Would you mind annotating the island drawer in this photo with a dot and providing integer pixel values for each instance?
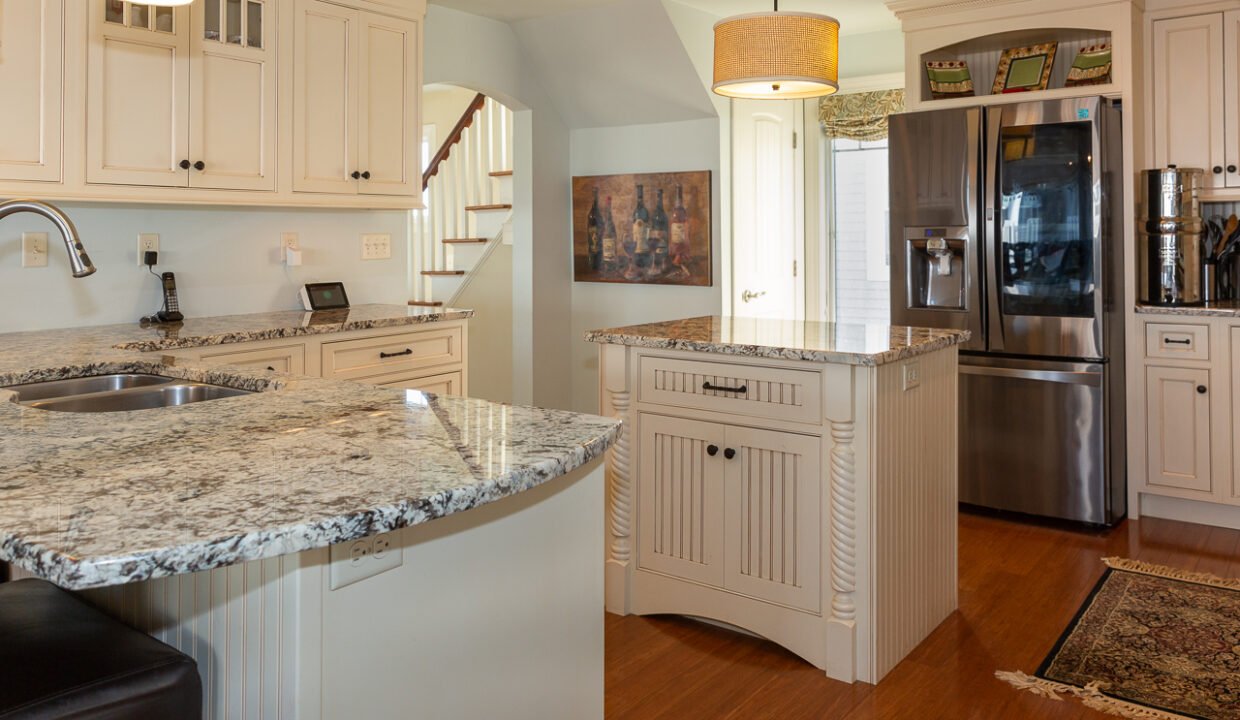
(783, 394)
(289, 359)
(374, 356)
(451, 383)
(1174, 340)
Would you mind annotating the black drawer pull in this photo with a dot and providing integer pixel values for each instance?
(272, 369)
(712, 450)
(385, 356)
(723, 388)
(1169, 341)
(729, 453)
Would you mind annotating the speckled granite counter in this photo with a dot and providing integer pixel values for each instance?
(89, 500)
(869, 345)
(1223, 308)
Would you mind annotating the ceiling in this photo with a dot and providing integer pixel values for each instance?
(855, 16)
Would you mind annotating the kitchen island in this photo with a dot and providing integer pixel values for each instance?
(795, 479)
(284, 539)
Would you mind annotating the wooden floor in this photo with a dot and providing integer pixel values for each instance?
(1020, 585)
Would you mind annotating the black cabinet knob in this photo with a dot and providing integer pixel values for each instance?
(729, 453)
(712, 450)
(1231, 168)
(355, 175)
(366, 175)
(1218, 169)
(271, 368)
(184, 164)
(200, 165)
(1201, 389)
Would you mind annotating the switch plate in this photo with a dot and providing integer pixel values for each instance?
(912, 375)
(357, 560)
(147, 242)
(34, 249)
(376, 246)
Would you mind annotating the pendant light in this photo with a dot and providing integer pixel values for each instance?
(777, 56)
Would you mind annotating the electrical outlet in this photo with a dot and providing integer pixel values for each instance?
(289, 241)
(34, 249)
(376, 246)
(912, 375)
(352, 562)
(147, 242)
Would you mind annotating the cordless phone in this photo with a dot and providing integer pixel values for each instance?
(172, 307)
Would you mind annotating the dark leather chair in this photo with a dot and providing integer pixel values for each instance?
(60, 658)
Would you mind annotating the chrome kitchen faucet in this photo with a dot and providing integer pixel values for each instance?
(78, 258)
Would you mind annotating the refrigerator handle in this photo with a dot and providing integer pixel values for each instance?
(990, 223)
(1091, 377)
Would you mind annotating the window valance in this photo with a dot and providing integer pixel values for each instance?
(859, 116)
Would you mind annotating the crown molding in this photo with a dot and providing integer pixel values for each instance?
(905, 9)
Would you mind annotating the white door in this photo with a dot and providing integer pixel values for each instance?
(1189, 95)
(232, 125)
(388, 143)
(1178, 427)
(137, 94)
(31, 73)
(768, 179)
(325, 107)
(773, 530)
(680, 498)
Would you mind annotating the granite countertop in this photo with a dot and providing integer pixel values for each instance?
(90, 500)
(1222, 308)
(851, 344)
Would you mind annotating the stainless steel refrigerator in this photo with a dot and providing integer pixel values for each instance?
(1006, 221)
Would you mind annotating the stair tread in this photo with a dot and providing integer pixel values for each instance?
(426, 303)
(465, 241)
(475, 208)
(443, 272)
(501, 173)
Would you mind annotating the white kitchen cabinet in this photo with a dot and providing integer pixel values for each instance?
(183, 97)
(1188, 96)
(1178, 427)
(32, 78)
(452, 383)
(289, 359)
(355, 105)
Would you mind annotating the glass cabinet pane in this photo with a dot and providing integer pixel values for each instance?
(115, 11)
(163, 19)
(139, 16)
(254, 24)
(211, 19)
(233, 22)
(1047, 220)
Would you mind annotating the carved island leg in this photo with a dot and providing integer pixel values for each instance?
(615, 402)
(842, 624)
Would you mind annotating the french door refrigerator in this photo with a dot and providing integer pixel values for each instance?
(1005, 221)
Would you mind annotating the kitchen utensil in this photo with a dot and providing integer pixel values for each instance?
(1211, 238)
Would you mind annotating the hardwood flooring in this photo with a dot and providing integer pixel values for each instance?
(1020, 585)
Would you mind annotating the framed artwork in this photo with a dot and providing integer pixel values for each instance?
(1024, 69)
(1091, 67)
(652, 228)
(949, 79)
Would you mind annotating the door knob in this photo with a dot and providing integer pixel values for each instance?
(1218, 169)
(1201, 389)
(200, 165)
(184, 164)
(355, 175)
(712, 450)
(1231, 168)
(729, 453)
(366, 175)
(748, 295)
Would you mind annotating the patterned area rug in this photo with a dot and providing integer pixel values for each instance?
(1149, 642)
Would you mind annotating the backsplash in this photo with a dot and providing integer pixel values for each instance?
(226, 260)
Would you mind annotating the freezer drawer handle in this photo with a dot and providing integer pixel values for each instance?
(1093, 378)
(386, 355)
(723, 388)
(1201, 389)
(1169, 341)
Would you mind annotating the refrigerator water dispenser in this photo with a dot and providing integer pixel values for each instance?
(937, 269)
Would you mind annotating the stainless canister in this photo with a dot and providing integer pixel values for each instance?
(1169, 237)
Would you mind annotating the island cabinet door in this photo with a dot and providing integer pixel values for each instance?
(773, 529)
(680, 496)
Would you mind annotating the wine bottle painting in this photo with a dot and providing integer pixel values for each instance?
(650, 228)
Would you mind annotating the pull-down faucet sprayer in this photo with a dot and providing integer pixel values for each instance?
(78, 258)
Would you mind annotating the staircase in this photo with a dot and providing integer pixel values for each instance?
(467, 190)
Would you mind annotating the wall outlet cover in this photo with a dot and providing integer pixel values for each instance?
(358, 560)
(376, 246)
(147, 242)
(912, 375)
(34, 249)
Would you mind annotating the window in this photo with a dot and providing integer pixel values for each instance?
(860, 226)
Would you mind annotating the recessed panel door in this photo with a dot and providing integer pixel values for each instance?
(325, 82)
(1178, 427)
(31, 73)
(388, 138)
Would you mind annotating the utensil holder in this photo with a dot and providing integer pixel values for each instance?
(1209, 281)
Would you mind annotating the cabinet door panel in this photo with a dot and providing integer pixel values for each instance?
(1178, 427)
(680, 499)
(773, 537)
(233, 101)
(1231, 72)
(325, 102)
(289, 359)
(443, 384)
(1188, 94)
(31, 73)
(389, 141)
(138, 102)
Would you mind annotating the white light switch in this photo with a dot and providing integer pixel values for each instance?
(376, 246)
(34, 249)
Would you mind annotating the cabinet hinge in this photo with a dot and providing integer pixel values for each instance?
(794, 140)
(794, 268)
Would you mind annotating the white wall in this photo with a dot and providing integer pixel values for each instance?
(226, 261)
(490, 330)
(667, 147)
(442, 106)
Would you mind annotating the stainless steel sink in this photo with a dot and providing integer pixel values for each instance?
(117, 393)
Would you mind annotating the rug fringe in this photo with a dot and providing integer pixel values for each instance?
(1144, 568)
(1091, 696)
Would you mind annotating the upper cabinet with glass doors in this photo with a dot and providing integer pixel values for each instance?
(182, 97)
(244, 102)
